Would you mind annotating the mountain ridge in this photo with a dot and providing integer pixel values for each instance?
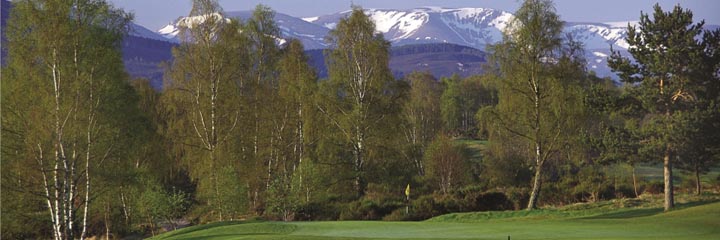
(471, 27)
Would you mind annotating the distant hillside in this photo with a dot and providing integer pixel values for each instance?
(143, 56)
(440, 59)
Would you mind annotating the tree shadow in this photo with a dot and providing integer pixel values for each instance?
(645, 212)
(640, 212)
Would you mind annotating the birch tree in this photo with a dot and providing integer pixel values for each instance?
(358, 68)
(204, 96)
(62, 79)
(422, 116)
(538, 86)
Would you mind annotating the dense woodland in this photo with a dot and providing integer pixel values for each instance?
(243, 127)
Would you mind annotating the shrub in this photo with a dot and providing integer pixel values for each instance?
(318, 211)
(654, 188)
(368, 209)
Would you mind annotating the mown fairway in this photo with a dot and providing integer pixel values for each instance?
(691, 221)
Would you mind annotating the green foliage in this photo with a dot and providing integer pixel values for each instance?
(361, 99)
(670, 75)
(461, 100)
(201, 100)
(69, 114)
(422, 116)
(447, 163)
(539, 92)
(156, 204)
(244, 129)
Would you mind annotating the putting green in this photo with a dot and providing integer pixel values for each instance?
(699, 221)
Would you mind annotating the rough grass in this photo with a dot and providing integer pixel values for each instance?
(621, 219)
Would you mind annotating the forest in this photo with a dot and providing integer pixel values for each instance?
(243, 127)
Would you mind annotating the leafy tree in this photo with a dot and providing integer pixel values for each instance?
(667, 76)
(460, 101)
(60, 89)
(447, 163)
(539, 98)
(294, 111)
(359, 72)
(260, 86)
(157, 204)
(203, 95)
(422, 116)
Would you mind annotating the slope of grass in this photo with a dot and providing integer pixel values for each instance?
(697, 220)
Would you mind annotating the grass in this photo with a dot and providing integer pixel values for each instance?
(605, 220)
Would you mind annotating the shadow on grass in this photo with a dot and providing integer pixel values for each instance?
(202, 227)
(645, 212)
(633, 213)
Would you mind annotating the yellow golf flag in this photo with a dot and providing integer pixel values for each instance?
(407, 191)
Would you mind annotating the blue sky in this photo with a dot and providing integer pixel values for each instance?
(154, 14)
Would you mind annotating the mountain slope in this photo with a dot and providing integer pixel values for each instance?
(311, 35)
(473, 27)
(479, 27)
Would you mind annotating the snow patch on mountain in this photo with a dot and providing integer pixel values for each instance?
(310, 19)
(172, 30)
(398, 24)
(622, 24)
(140, 31)
(597, 35)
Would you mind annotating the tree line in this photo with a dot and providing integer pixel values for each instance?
(244, 128)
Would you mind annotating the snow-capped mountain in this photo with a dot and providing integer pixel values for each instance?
(477, 28)
(310, 34)
(473, 27)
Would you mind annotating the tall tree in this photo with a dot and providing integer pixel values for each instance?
(204, 95)
(63, 81)
(422, 116)
(666, 77)
(294, 111)
(260, 91)
(538, 85)
(358, 67)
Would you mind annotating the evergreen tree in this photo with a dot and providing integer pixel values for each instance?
(670, 70)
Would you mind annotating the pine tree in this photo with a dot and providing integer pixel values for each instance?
(668, 76)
